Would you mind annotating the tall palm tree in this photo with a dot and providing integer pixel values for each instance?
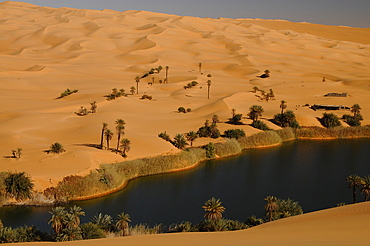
(354, 182)
(209, 83)
(255, 111)
(58, 215)
(271, 206)
(191, 136)
(122, 222)
(166, 79)
(104, 128)
(125, 146)
(255, 89)
(365, 187)
(120, 127)
(102, 220)
(200, 68)
(283, 106)
(108, 136)
(213, 209)
(137, 80)
(76, 212)
(355, 109)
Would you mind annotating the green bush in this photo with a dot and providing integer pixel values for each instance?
(181, 110)
(230, 147)
(67, 93)
(18, 186)
(236, 119)
(260, 125)
(210, 150)
(352, 120)
(234, 133)
(330, 120)
(286, 119)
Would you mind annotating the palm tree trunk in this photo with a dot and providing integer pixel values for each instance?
(354, 194)
(102, 138)
(118, 138)
(107, 143)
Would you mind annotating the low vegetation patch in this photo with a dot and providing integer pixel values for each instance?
(230, 147)
(261, 139)
(336, 132)
(260, 125)
(67, 93)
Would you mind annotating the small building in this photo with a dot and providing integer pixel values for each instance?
(328, 107)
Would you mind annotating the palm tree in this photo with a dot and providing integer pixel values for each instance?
(191, 136)
(122, 222)
(108, 136)
(213, 209)
(354, 183)
(179, 141)
(137, 80)
(91, 231)
(166, 79)
(255, 89)
(200, 68)
(255, 111)
(215, 119)
(104, 128)
(271, 94)
(365, 187)
(209, 83)
(271, 206)
(355, 109)
(283, 106)
(120, 127)
(102, 220)
(76, 212)
(132, 90)
(125, 146)
(58, 215)
(18, 186)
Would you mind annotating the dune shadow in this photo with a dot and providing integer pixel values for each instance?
(9, 157)
(96, 146)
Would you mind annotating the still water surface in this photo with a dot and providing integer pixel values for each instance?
(311, 172)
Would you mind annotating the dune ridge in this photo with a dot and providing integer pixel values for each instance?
(44, 51)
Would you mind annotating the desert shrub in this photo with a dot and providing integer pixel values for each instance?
(181, 110)
(286, 208)
(260, 125)
(143, 229)
(236, 119)
(145, 96)
(210, 150)
(286, 119)
(286, 134)
(254, 221)
(56, 148)
(234, 133)
(221, 225)
(188, 110)
(27, 234)
(67, 93)
(260, 140)
(230, 147)
(330, 120)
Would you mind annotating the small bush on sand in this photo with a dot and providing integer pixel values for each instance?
(234, 133)
(260, 125)
(67, 93)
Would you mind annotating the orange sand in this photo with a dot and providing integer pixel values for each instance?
(45, 51)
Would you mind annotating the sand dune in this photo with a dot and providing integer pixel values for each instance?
(45, 51)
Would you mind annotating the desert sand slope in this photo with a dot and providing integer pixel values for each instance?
(44, 51)
(348, 225)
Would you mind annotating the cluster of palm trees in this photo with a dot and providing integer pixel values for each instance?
(265, 95)
(67, 227)
(123, 146)
(361, 183)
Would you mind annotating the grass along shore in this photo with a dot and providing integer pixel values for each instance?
(113, 177)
